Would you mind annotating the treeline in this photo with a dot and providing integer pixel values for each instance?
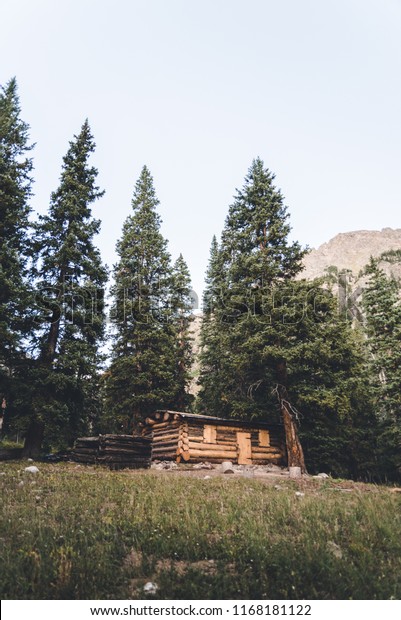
(265, 332)
(56, 382)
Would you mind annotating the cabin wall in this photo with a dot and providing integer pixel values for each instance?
(215, 443)
(187, 439)
(168, 434)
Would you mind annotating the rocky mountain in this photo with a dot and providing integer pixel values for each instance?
(352, 251)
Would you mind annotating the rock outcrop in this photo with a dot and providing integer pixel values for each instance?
(352, 251)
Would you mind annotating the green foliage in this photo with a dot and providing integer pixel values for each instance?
(263, 327)
(381, 301)
(149, 367)
(70, 320)
(181, 318)
(391, 256)
(15, 193)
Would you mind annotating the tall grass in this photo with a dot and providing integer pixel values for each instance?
(87, 533)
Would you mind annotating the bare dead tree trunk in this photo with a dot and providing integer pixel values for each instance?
(295, 452)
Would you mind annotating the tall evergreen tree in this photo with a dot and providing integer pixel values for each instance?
(211, 352)
(141, 376)
(211, 280)
(70, 302)
(181, 307)
(271, 335)
(381, 302)
(254, 257)
(15, 192)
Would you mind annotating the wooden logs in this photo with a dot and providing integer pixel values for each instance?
(86, 450)
(116, 451)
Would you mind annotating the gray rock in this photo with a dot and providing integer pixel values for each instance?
(32, 469)
(150, 587)
(203, 466)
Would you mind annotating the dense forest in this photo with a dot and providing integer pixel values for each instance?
(265, 330)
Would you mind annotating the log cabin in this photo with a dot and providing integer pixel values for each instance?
(195, 438)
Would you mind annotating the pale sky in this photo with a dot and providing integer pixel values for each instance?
(197, 89)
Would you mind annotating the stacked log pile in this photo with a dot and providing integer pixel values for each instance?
(124, 451)
(86, 450)
(116, 451)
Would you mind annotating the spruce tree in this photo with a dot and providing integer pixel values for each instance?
(70, 321)
(271, 335)
(381, 302)
(254, 259)
(15, 193)
(211, 355)
(181, 316)
(142, 374)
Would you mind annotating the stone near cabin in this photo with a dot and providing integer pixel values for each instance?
(32, 469)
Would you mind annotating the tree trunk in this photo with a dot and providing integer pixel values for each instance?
(294, 449)
(33, 439)
(295, 452)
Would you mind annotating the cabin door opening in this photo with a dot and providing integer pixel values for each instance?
(244, 448)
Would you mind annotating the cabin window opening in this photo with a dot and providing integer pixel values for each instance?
(264, 439)
(209, 434)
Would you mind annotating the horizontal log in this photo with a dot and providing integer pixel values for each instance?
(263, 450)
(165, 444)
(219, 454)
(263, 456)
(161, 425)
(195, 430)
(211, 446)
(168, 435)
(130, 462)
(111, 437)
(170, 450)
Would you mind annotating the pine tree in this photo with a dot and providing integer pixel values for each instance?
(15, 192)
(141, 376)
(381, 301)
(253, 260)
(70, 302)
(211, 355)
(181, 307)
(211, 291)
(271, 335)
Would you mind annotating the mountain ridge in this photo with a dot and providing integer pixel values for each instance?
(350, 251)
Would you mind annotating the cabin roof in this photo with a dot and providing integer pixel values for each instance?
(207, 419)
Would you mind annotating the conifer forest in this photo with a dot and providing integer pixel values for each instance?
(85, 349)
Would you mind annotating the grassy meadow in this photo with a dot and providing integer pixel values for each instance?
(77, 532)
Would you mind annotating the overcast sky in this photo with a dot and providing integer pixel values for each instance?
(197, 89)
